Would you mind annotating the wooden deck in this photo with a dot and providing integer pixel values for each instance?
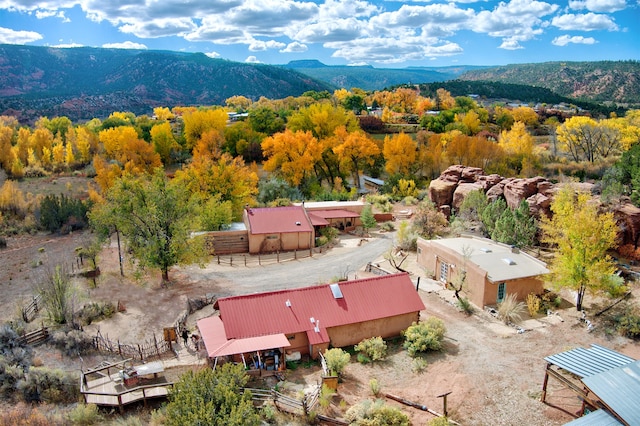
(109, 390)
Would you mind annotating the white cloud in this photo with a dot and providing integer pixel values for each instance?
(563, 40)
(295, 47)
(212, 54)
(252, 60)
(259, 45)
(386, 50)
(124, 45)
(159, 27)
(584, 22)
(67, 45)
(336, 30)
(357, 64)
(603, 6)
(9, 36)
(43, 14)
(511, 44)
(518, 20)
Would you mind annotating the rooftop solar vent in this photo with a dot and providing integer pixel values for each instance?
(337, 293)
(485, 250)
(509, 261)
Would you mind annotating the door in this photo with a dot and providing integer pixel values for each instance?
(502, 291)
(444, 272)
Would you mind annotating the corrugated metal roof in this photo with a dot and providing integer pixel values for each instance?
(328, 205)
(588, 362)
(317, 337)
(619, 389)
(317, 220)
(489, 255)
(364, 300)
(595, 418)
(335, 214)
(275, 220)
(216, 343)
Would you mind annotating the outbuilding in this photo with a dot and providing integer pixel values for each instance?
(492, 269)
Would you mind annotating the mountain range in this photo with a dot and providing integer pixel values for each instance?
(83, 83)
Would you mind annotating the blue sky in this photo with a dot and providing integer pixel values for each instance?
(350, 32)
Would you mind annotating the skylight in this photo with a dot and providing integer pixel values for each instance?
(337, 293)
(509, 261)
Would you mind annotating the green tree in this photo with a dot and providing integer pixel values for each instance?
(155, 217)
(367, 218)
(212, 397)
(491, 213)
(516, 227)
(582, 236)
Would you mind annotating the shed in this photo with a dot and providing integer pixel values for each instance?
(274, 229)
(492, 269)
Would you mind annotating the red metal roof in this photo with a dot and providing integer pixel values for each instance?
(275, 220)
(334, 214)
(290, 311)
(216, 343)
(317, 220)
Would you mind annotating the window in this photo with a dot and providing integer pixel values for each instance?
(444, 272)
(502, 291)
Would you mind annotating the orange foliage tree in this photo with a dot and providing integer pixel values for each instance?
(399, 154)
(291, 155)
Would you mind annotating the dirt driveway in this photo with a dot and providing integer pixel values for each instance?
(493, 373)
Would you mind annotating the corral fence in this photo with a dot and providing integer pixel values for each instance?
(150, 349)
(30, 310)
(35, 337)
(376, 269)
(246, 259)
(286, 403)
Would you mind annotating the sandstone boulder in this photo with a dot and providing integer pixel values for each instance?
(461, 192)
(520, 189)
(441, 191)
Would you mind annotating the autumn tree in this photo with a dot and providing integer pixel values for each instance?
(428, 221)
(163, 113)
(518, 146)
(586, 139)
(399, 154)
(291, 155)
(582, 236)
(354, 151)
(155, 217)
(198, 122)
(239, 103)
(525, 114)
(164, 143)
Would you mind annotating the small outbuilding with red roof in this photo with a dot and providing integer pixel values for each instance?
(290, 323)
(274, 229)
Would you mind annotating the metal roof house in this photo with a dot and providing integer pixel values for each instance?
(307, 320)
(492, 269)
(610, 384)
(272, 229)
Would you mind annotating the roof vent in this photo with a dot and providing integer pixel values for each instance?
(317, 327)
(298, 224)
(337, 293)
(509, 261)
(485, 250)
(312, 319)
(288, 303)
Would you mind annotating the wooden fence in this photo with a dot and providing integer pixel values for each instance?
(151, 348)
(286, 403)
(268, 259)
(30, 311)
(35, 337)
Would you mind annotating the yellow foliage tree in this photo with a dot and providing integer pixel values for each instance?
(322, 119)
(106, 174)
(163, 113)
(6, 155)
(240, 103)
(354, 151)
(586, 139)
(525, 114)
(444, 100)
(38, 140)
(399, 154)
(115, 139)
(83, 143)
(518, 144)
(164, 143)
(198, 122)
(292, 155)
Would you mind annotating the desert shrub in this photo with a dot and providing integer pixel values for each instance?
(381, 203)
(465, 305)
(629, 251)
(419, 365)
(58, 295)
(369, 412)
(59, 213)
(407, 239)
(387, 226)
(439, 421)
(373, 349)
(629, 324)
(410, 200)
(12, 350)
(510, 310)
(95, 312)
(23, 414)
(321, 241)
(44, 384)
(85, 415)
(337, 360)
(374, 387)
(329, 232)
(533, 304)
(428, 221)
(424, 336)
(10, 375)
(326, 395)
(73, 342)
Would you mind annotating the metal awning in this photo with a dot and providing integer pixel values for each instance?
(598, 417)
(587, 362)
